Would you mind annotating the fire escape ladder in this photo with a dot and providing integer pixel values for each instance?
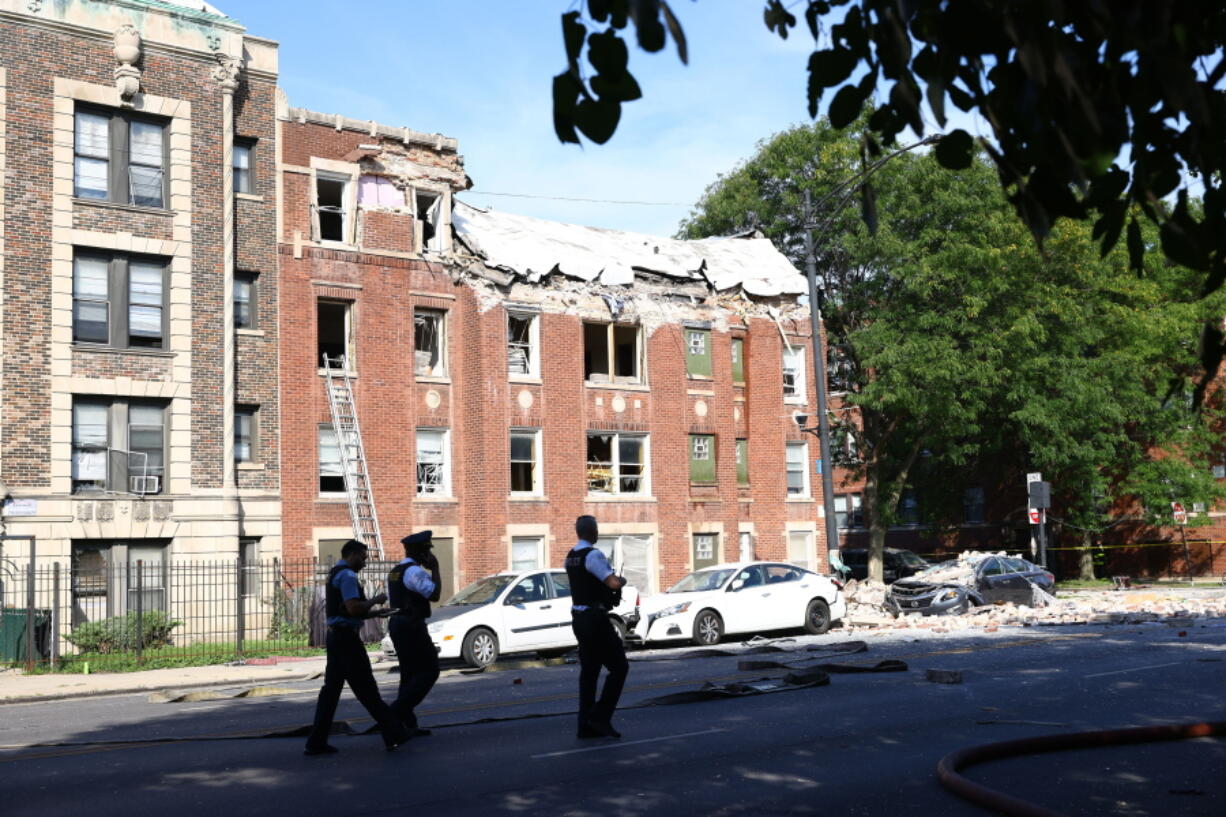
(353, 455)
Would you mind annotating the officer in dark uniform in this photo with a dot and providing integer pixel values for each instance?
(347, 606)
(595, 590)
(411, 586)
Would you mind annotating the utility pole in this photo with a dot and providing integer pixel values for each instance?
(819, 379)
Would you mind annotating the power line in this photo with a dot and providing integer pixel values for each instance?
(575, 198)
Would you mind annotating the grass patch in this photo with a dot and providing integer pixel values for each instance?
(193, 655)
(1084, 584)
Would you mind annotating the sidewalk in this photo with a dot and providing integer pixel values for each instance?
(16, 687)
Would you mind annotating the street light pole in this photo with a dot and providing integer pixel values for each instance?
(819, 377)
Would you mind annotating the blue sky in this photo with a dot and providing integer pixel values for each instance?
(480, 71)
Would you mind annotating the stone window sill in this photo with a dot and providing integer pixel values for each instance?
(250, 333)
(127, 208)
(249, 466)
(618, 498)
(120, 350)
(248, 197)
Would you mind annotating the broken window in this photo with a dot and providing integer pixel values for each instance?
(433, 478)
(429, 344)
(527, 553)
(429, 209)
(702, 458)
(331, 474)
(800, 547)
(797, 469)
(698, 352)
(522, 357)
(333, 332)
(332, 206)
(794, 373)
(616, 463)
(612, 353)
(525, 468)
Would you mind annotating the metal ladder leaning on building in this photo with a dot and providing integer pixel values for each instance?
(353, 455)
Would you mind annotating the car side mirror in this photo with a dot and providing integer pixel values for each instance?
(737, 584)
(516, 599)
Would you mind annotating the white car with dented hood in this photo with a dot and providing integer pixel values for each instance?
(742, 597)
(515, 611)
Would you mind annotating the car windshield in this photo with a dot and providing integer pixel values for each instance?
(701, 580)
(911, 560)
(482, 591)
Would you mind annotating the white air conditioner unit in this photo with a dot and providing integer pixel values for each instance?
(143, 485)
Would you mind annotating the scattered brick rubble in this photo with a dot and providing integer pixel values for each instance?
(1173, 606)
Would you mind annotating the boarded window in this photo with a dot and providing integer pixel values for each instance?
(698, 352)
(526, 552)
(799, 546)
(705, 550)
(702, 458)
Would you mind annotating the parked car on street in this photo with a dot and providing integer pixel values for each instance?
(897, 563)
(973, 579)
(744, 597)
(517, 611)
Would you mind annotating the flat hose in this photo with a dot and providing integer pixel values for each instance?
(950, 766)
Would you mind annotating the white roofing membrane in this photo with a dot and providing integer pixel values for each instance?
(533, 247)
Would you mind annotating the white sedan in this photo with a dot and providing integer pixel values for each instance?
(745, 597)
(512, 612)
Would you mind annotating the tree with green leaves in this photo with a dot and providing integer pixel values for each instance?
(968, 349)
(1106, 112)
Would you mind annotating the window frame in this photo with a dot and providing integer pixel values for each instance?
(532, 346)
(251, 280)
(119, 164)
(805, 490)
(348, 331)
(439, 369)
(444, 489)
(853, 511)
(252, 413)
(615, 464)
(118, 448)
(321, 430)
(737, 356)
(798, 390)
(435, 243)
(810, 551)
(537, 471)
(714, 559)
(346, 210)
(610, 357)
(742, 461)
(539, 546)
(119, 300)
(249, 566)
(247, 145)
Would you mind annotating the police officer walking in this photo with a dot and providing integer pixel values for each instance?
(346, 605)
(411, 586)
(595, 590)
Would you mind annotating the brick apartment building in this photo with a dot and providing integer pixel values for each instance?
(137, 205)
(511, 373)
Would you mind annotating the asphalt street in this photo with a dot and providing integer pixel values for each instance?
(503, 743)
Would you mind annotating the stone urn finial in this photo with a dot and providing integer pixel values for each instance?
(127, 53)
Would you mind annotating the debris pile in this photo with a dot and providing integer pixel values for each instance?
(1173, 606)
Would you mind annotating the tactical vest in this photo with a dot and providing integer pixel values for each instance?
(585, 589)
(334, 602)
(401, 598)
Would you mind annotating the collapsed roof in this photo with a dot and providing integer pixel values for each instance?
(533, 248)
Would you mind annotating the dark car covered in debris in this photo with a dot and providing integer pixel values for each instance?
(896, 563)
(971, 580)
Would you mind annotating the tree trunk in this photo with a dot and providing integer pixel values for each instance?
(1086, 561)
(876, 531)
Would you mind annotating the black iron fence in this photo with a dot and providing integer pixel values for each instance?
(101, 615)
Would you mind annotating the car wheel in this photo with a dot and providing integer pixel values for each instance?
(480, 648)
(817, 617)
(619, 627)
(708, 628)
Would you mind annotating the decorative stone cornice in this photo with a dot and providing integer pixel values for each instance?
(227, 72)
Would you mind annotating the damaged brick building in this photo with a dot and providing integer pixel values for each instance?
(510, 373)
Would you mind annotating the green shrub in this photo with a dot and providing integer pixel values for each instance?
(118, 634)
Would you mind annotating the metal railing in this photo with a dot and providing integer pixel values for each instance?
(67, 616)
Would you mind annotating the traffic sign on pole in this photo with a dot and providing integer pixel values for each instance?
(1178, 513)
